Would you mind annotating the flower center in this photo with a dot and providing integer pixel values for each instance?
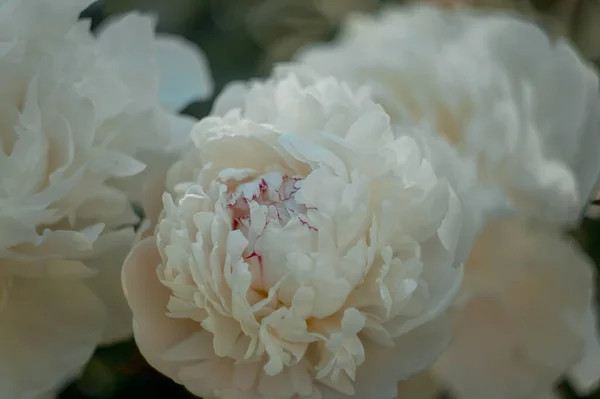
(268, 213)
(273, 193)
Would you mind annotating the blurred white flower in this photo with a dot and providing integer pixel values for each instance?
(495, 87)
(75, 112)
(305, 250)
(523, 317)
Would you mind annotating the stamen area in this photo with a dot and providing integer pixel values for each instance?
(268, 214)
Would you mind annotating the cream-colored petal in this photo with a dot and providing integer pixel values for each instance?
(527, 296)
(106, 284)
(158, 160)
(184, 73)
(378, 376)
(48, 330)
(482, 361)
(154, 332)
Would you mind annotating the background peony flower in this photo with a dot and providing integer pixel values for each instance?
(74, 113)
(161, 76)
(495, 87)
(304, 250)
(525, 316)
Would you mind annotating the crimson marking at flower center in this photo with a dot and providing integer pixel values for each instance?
(264, 200)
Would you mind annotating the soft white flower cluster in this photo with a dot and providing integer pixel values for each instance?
(392, 202)
(310, 242)
(76, 112)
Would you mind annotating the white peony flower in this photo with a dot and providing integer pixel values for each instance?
(304, 251)
(75, 112)
(525, 108)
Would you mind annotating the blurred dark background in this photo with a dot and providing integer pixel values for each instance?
(242, 39)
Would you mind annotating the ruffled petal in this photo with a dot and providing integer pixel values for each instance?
(106, 285)
(154, 332)
(378, 376)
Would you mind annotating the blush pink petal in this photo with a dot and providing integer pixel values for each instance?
(154, 332)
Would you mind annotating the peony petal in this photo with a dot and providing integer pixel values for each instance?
(48, 331)
(528, 291)
(378, 376)
(127, 41)
(106, 285)
(158, 160)
(231, 97)
(473, 367)
(184, 73)
(181, 128)
(316, 156)
(154, 332)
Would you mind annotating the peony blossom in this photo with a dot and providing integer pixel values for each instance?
(77, 110)
(495, 87)
(522, 317)
(526, 109)
(305, 250)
